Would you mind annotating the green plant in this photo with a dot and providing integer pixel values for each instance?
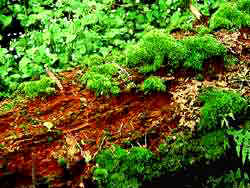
(181, 20)
(199, 49)
(153, 84)
(231, 179)
(242, 140)
(181, 150)
(218, 105)
(116, 167)
(100, 79)
(231, 15)
(230, 60)
(153, 49)
(32, 89)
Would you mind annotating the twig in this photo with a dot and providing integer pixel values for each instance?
(53, 77)
(99, 148)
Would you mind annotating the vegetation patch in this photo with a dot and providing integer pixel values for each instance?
(117, 167)
(220, 108)
(231, 15)
(201, 48)
(32, 89)
(153, 84)
(100, 79)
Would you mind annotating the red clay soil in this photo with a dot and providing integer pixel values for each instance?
(78, 117)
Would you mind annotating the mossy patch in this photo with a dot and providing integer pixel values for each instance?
(32, 89)
(220, 107)
(153, 84)
(100, 79)
(231, 15)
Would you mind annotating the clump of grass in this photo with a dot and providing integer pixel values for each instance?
(153, 84)
(220, 106)
(32, 89)
(199, 49)
(231, 15)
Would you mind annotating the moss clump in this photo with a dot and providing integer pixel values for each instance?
(219, 106)
(181, 150)
(100, 79)
(117, 167)
(231, 15)
(153, 83)
(153, 49)
(157, 47)
(199, 49)
(32, 89)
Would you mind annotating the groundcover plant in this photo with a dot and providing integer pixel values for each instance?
(125, 93)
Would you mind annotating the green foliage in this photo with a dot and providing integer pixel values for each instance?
(208, 6)
(181, 150)
(181, 20)
(231, 15)
(153, 49)
(152, 84)
(242, 140)
(202, 30)
(214, 144)
(156, 47)
(199, 49)
(232, 179)
(32, 89)
(219, 106)
(100, 79)
(230, 60)
(119, 168)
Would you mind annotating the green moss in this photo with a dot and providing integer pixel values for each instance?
(119, 168)
(181, 150)
(230, 60)
(152, 84)
(152, 50)
(31, 89)
(202, 30)
(231, 15)
(157, 48)
(219, 107)
(100, 79)
(199, 49)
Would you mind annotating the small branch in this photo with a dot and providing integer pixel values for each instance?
(53, 77)
(99, 148)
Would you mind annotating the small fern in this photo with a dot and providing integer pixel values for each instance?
(242, 140)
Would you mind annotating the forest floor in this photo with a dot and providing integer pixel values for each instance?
(83, 124)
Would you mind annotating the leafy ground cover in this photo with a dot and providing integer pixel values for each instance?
(125, 93)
